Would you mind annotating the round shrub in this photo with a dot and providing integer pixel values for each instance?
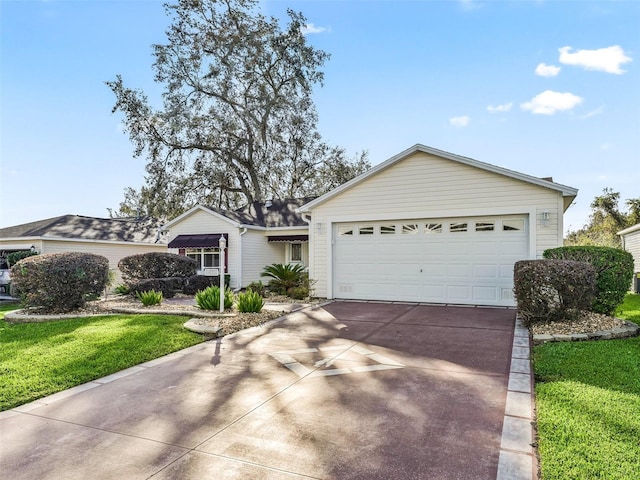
(167, 286)
(60, 282)
(195, 283)
(156, 265)
(613, 272)
(548, 290)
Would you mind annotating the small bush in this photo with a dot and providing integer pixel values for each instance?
(195, 283)
(60, 282)
(209, 298)
(284, 276)
(258, 287)
(150, 297)
(122, 289)
(250, 302)
(298, 293)
(613, 272)
(548, 290)
(15, 257)
(156, 265)
(168, 286)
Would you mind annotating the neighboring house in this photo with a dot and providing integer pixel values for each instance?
(114, 238)
(431, 226)
(631, 243)
(257, 235)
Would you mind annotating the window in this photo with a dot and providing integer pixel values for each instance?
(345, 230)
(485, 226)
(368, 230)
(458, 227)
(387, 229)
(409, 229)
(516, 225)
(205, 257)
(433, 228)
(296, 252)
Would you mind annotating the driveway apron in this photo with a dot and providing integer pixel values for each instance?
(348, 390)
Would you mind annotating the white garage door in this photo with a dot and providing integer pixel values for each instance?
(462, 261)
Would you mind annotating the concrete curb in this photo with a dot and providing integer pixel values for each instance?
(630, 329)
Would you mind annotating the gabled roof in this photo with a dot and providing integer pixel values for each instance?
(566, 191)
(630, 229)
(276, 213)
(141, 230)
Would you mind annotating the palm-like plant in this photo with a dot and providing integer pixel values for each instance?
(284, 276)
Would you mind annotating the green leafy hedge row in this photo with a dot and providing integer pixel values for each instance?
(613, 272)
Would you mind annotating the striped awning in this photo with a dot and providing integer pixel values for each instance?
(207, 240)
(288, 238)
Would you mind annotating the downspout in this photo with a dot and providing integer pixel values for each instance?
(309, 249)
(244, 230)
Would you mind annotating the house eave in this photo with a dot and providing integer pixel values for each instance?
(78, 240)
(193, 210)
(633, 228)
(565, 190)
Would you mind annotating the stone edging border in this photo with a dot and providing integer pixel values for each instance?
(629, 329)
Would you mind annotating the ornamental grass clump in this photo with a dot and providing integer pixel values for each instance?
(209, 298)
(250, 302)
(150, 297)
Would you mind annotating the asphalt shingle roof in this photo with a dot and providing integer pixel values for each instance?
(276, 213)
(88, 228)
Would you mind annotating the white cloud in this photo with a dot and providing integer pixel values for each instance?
(505, 107)
(550, 102)
(460, 122)
(547, 70)
(603, 59)
(311, 28)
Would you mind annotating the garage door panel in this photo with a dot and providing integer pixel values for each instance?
(467, 267)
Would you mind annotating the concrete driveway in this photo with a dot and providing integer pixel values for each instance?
(349, 390)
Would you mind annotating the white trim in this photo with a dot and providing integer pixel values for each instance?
(631, 229)
(193, 210)
(79, 240)
(564, 189)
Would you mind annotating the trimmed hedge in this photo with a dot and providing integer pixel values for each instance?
(613, 272)
(168, 286)
(196, 283)
(548, 290)
(60, 282)
(156, 265)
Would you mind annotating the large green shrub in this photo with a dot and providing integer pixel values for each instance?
(285, 276)
(156, 265)
(168, 286)
(60, 282)
(552, 289)
(195, 283)
(613, 272)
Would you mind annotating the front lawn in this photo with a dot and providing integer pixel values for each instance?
(588, 406)
(39, 359)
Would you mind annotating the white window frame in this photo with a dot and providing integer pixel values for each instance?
(200, 256)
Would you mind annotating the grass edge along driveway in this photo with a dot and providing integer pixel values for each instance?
(40, 359)
(588, 406)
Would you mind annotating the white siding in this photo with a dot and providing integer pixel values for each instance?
(632, 245)
(200, 222)
(427, 186)
(257, 253)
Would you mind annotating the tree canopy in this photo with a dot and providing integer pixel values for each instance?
(237, 122)
(606, 220)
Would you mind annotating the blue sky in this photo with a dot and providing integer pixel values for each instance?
(547, 88)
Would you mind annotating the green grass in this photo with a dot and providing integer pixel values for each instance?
(39, 359)
(588, 406)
